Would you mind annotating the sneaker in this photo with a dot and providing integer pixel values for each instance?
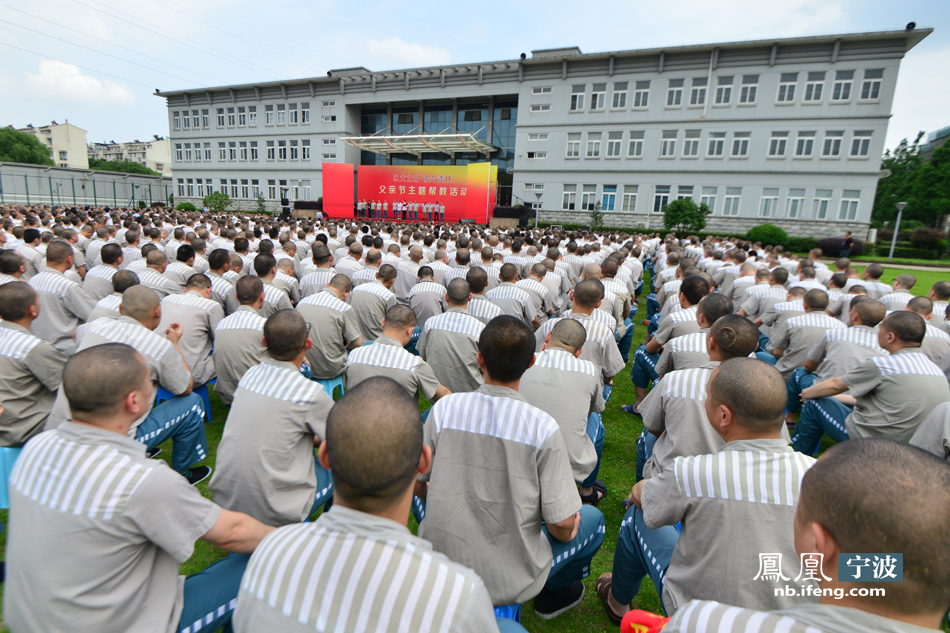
(198, 474)
(549, 604)
(153, 453)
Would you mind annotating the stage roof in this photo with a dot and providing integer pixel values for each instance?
(417, 144)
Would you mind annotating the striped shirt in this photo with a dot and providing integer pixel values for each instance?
(386, 357)
(797, 335)
(31, 370)
(364, 275)
(238, 346)
(513, 301)
(841, 350)
(449, 343)
(676, 324)
(333, 326)
(107, 307)
(683, 352)
(64, 306)
(600, 348)
(98, 281)
(179, 273)
(351, 571)
(198, 317)
(314, 282)
(370, 301)
(482, 309)
(896, 300)
(158, 282)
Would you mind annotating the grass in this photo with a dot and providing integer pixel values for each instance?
(901, 260)
(617, 470)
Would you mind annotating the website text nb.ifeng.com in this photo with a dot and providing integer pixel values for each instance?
(837, 593)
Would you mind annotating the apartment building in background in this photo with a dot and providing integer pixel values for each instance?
(154, 154)
(66, 143)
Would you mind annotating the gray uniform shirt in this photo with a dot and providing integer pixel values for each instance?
(31, 370)
(64, 305)
(797, 336)
(198, 318)
(936, 343)
(107, 307)
(427, 299)
(483, 309)
(761, 298)
(499, 470)
(449, 343)
(684, 352)
(746, 494)
(238, 346)
(600, 348)
(541, 297)
(513, 301)
(569, 390)
(676, 324)
(179, 272)
(387, 357)
(275, 300)
(333, 326)
(158, 282)
(315, 281)
(407, 276)
(98, 282)
(894, 394)
(96, 535)
(842, 349)
(224, 293)
(370, 301)
(933, 434)
(265, 463)
(364, 572)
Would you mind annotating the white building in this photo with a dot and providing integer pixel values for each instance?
(66, 143)
(154, 154)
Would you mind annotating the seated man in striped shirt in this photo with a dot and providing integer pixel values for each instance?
(360, 557)
(936, 343)
(98, 531)
(238, 338)
(728, 503)
(480, 307)
(449, 341)
(792, 339)
(887, 396)
(109, 306)
(866, 495)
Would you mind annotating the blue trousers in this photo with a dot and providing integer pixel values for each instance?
(324, 487)
(572, 560)
(643, 371)
(181, 419)
(509, 626)
(595, 431)
(624, 342)
(799, 381)
(645, 444)
(653, 306)
(763, 342)
(765, 357)
(211, 594)
(821, 416)
(411, 345)
(653, 325)
(641, 552)
(418, 509)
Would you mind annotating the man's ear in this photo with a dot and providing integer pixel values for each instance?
(322, 455)
(425, 460)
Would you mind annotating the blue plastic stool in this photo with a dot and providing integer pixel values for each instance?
(8, 457)
(509, 612)
(163, 395)
(330, 384)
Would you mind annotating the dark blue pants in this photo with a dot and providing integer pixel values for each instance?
(653, 306)
(799, 381)
(641, 552)
(821, 416)
(624, 342)
(211, 594)
(643, 371)
(572, 560)
(645, 444)
(181, 419)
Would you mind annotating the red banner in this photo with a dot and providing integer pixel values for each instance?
(338, 190)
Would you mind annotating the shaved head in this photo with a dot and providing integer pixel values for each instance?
(139, 302)
(734, 335)
(508, 272)
(507, 345)
(123, 280)
(592, 271)
(285, 332)
(477, 279)
(458, 292)
(588, 293)
(374, 441)
(16, 298)
(569, 334)
(753, 390)
(909, 327)
(816, 299)
(249, 290)
(714, 306)
(870, 312)
(97, 380)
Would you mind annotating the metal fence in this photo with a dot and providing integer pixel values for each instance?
(58, 186)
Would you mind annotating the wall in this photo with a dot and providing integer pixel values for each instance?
(35, 184)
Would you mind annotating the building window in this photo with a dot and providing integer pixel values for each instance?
(614, 141)
(832, 146)
(629, 203)
(538, 137)
(293, 115)
(683, 192)
(641, 96)
(305, 113)
(271, 155)
(207, 151)
(577, 97)
(814, 87)
(329, 104)
(541, 90)
(717, 141)
(740, 144)
(723, 90)
(185, 120)
(841, 91)
(281, 114)
(328, 119)
(708, 198)
(541, 107)
(178, 154)
(608, 200)
(821, 204)
(232, 150)
(195, 119)
(871, 88)
(242, 150)
(861, 144)
(234, 188)
(618, 100)
(589, 198)
(181, 187)
(635, 149)
(252, 116)
(305, 149)
(206, 119)
(537, 155)
(294, 151)
(674, 93)
(573, 145)
(176, 120)
(269, 115)
(224, 186)
(201, 188)
(786, 88)
(593, 145)
(534, 186)
(242, 116)
(254, 155)
(329, 141)
(691, 144)
(668, 144)
(777, 144)
(255, 188)
(245, 189)
(769, 202)
(569, 197)
(272, 189)
(795, 204)
(849, 204)
(730, 204)
(231, 118)
(661, 198)
(281, 150)
(749, 89)
(697, 93)
(187, 153)
(598, 97)
(805, 144)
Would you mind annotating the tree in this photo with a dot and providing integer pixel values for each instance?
(930, 197)
(685, 216)
(596, 217)
(124, 166)
(903, 163)
(261, 207)
(218, 201)
(22, 147)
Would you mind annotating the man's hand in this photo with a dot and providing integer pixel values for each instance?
(173, 333)
(635, 494)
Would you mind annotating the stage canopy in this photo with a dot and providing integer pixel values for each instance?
(418, 144)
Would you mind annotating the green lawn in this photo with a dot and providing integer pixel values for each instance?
(617, 470)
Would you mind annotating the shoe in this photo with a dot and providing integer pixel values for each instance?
(628, 408)
(198, 474)
(549, 604)
(153, 453)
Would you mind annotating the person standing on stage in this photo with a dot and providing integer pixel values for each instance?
(386, 210)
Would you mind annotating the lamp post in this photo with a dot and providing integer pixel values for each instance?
(537, 209)
(897, 228)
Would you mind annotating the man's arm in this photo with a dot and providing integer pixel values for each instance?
(778, 352)
(236, 532)
(441, 392)
(566, 530)
(826, 389)
(173, 334)
(810, 366)
(653, 347)
(357, 342)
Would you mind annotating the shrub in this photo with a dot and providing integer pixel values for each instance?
(800, 244)
(217, 201)
(685, 215)
(911, 253)
(768, 234)
(186, 206)
(927, 238)
(141, 204)
(831, 246)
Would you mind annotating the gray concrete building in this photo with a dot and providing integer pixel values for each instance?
(788, 131)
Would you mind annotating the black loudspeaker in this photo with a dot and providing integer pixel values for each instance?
(285, 213)
(284, 202)
(468, 221)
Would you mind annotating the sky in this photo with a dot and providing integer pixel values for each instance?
(98, 62)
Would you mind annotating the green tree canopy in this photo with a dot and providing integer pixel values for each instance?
(903, 164)
(218, 201)
(125, 166)
(684, 215)
(21, 147)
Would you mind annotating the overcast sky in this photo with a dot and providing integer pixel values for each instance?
(98, 62)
